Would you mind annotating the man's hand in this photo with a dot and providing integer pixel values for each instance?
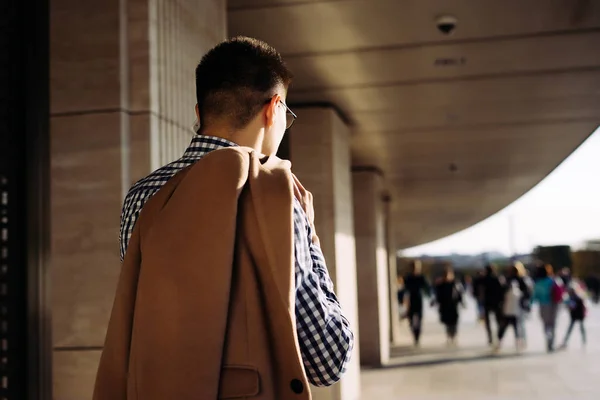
(306, 200)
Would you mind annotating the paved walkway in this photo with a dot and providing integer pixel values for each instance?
(472, 372)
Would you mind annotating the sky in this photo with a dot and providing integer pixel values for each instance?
(562, 209)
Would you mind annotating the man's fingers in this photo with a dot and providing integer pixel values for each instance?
(297, 182)
(299, 190)
(297, 193)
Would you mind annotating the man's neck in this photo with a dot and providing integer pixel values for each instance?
(242, 138)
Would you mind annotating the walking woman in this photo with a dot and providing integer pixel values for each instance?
(448, 295)
(548, 294)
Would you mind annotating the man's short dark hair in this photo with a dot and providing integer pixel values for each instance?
(236, 79)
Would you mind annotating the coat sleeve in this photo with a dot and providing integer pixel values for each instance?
(111, 378)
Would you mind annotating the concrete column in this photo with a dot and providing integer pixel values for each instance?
(372, 266)
(395, 327)
(104, 113)
(319, 149)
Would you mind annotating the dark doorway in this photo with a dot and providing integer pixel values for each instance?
(25, 351)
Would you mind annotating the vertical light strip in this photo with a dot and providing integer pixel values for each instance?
(188, 69)
(154, 68)
(124, 97)
(395, 330)
(179, 39)
(176, 88)
(168, 83)
(193, 55)
(190, 58)
(382, 278)
(171, 84)
(161, 79)
(164, 128)
(185, 106)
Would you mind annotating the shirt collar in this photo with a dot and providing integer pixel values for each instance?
(202, 144)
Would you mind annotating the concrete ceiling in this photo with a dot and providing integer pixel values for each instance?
(502, 101)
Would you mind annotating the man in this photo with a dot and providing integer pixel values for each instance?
(241, 86)
(415, 285)
(492, 293)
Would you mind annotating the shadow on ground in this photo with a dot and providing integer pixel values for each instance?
(423, 359)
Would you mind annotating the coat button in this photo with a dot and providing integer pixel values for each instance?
(297, 386)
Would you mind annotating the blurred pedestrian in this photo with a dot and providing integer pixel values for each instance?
(491, 298)
(516, 294)
(448, 295)
(525, 301)
(593, 284)
(402, 301)
(477, 293)
(548, 293)
(577, 310)
(565, 276)
(415, 287)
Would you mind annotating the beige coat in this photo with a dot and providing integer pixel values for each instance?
(204, 307)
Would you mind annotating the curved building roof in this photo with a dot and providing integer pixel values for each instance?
(461, 124)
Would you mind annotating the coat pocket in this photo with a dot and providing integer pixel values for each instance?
(239, 381)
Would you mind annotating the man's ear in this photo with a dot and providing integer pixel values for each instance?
(196, 127)
(270, 110)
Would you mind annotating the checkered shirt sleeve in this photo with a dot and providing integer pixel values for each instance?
(325, 337)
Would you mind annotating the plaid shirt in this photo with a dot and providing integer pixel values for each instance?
(324, 334)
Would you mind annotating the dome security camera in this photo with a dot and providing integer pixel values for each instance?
(446, 24)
